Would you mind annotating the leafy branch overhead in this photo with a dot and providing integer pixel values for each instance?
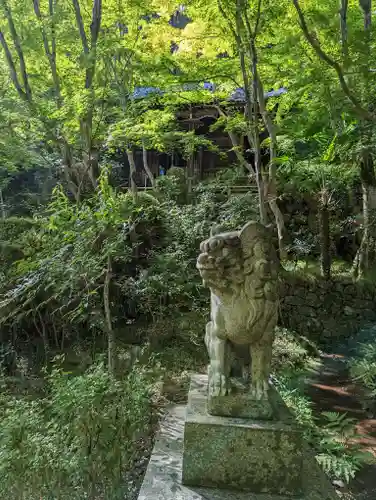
(156, 130)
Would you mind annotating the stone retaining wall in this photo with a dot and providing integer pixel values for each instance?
(320, 309)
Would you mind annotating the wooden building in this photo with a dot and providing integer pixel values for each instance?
(204, 162)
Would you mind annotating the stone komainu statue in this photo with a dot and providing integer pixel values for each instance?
(241, 270)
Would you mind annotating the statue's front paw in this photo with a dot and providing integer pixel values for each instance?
(218, 385)
(259, 390)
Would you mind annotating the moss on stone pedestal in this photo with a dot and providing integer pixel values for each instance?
(241, 454)
(239, 404)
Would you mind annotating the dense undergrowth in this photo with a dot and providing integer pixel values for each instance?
(54, 273)
(79, 440)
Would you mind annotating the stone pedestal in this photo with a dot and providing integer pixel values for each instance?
(241, 454)
(163, 478)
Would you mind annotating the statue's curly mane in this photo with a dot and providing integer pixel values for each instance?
(241, 269)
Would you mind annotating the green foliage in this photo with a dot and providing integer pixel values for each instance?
(310, 176)
(291, 352)
(78, 440)
(12, 228)
(330, 434)
(137, 252)
(171, 283)
(57, 281)
(62, 269)
(173, 186)
(363, 371)
(340, 457)
(178, 342)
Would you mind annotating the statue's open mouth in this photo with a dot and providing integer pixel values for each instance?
(206, 267)
(207, 270)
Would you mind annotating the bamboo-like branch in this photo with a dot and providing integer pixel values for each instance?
(12, 68)
(81, 28)
(315, 44)
(17, 46)
(94, 31)
(344, 32)
(50, 52)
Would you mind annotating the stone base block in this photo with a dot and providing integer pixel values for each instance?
(163, 478)
(241, 454)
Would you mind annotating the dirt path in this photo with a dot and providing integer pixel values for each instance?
(331, 390)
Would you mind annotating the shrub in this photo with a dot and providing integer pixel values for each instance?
(79, 441)
(363, 372)
(291, 351)
(61, 278)
(173, 186)
(363, 366)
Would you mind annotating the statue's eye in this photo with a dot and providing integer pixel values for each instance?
(215, 244)
(233, 241)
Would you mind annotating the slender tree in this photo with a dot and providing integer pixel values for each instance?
(245, 27)
(359, 95)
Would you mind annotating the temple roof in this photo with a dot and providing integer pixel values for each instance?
(238, 95)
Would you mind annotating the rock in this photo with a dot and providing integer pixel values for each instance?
(339, 484)
(349, 311)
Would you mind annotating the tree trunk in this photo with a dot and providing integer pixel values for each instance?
(111, 340)
(324, 223)
(44, 336)
(86, 123)
(251, 111)
(261, 190)
(132, 172)
(272, 194)
(73, 185)
(366, 6)
(312, 39)
(344, 5)
(146, 166)
(365, 258)
(2, 205)
(236, 146)
(17, 45)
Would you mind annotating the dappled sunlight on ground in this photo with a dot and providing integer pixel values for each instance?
(331, 390)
